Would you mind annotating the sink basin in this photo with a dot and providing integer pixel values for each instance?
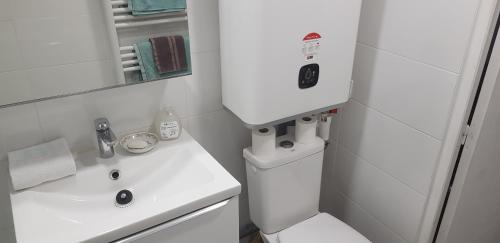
(176, 178)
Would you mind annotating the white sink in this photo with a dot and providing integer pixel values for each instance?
(176, 178)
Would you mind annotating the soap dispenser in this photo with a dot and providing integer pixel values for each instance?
(167, 124)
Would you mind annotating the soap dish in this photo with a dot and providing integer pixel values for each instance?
(139, 143)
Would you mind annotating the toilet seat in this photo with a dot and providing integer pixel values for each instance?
(322, 228)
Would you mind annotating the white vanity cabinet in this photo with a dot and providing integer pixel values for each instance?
(217, 223)
(181, 194)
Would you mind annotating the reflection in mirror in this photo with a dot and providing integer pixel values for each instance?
(61, 47)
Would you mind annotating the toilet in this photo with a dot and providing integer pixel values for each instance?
(284, 190)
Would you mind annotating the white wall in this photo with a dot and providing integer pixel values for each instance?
(196, 98)
(380, 167)
(42, 57)
(386, 141)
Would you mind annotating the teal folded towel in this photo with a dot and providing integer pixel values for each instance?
(144, 7)
(146, 59)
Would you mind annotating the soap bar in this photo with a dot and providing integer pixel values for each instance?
(137, 144)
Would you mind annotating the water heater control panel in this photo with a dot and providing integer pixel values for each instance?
(308, 76)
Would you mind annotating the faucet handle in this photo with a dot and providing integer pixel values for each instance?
(106, 139)
(101, 124)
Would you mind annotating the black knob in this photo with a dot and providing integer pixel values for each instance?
(124, 197)
(286, 144)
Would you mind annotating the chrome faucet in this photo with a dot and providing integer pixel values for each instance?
(105, 138)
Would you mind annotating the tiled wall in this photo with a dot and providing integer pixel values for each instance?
(52, 47)
(380, 165)
(388, 138)
(196, 98)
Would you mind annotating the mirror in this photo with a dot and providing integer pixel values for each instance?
(65, 47)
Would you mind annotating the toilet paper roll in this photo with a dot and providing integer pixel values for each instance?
(264, 141)
(305, 130)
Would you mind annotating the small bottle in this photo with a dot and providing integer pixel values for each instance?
(167, 124)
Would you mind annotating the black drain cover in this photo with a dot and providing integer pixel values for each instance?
(124, 197)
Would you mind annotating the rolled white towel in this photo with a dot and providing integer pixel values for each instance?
(41, 163)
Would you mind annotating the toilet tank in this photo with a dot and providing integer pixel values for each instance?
(284, 187)
(282, 58)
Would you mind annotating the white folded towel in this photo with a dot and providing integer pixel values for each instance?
(45, 162)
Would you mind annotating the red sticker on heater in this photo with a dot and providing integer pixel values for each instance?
(312, 36)
(311, 47)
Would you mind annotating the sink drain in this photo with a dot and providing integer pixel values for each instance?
(114, 175)
(124, 198)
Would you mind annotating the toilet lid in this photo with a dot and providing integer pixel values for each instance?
(322, 228)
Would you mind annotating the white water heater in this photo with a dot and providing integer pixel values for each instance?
(283, 58)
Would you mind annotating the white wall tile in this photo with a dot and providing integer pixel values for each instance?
(6, 220)
(406, 68)
(19, 128)
(335, 129)
(15, 87)
(5, 187)
(71, 78)
(51, 8)
(127, 108)
(48, 41)
(416, 94)
(326, 203)
(204, 86)
(67, 118)
(431, 31)
(397, 149)
(333, 202)
(174, 95)
(363, 222)
(5, 10)
(3, 155)
(327, 177)
(5, 224)
(10, 58)
(381, 195)
(8, 235)
(203, 18)
(225, 137)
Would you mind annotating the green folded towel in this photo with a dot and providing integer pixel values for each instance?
(149, 71)
(145, 7)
